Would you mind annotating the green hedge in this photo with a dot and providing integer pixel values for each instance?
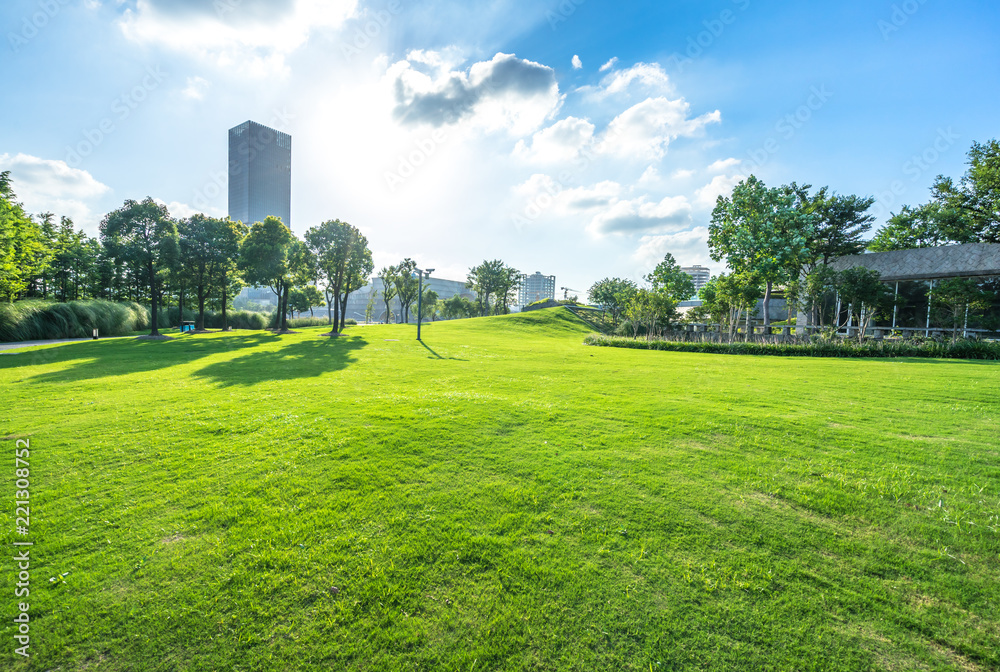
(45, 320)
(299, 322)
(962, 349)
(237, 319)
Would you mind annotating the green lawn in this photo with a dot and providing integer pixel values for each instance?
(500, 497)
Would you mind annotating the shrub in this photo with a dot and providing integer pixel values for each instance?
(44, 320)
(964, 349)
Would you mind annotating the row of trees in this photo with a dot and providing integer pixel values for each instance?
(650, 307)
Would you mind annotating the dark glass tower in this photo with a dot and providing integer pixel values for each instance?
(260, 174)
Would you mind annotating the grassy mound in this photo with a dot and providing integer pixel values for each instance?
(500, 497)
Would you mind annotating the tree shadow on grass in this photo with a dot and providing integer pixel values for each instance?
(301, 359)
(89, 360)
(437, 356)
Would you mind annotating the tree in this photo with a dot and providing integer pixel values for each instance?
(407, 285)
(841, 222)
(341, 252)
(864, 293)
(457, 307)
(370, 308)
(227, 238)
(388, 277)
(612, 295)
(359, 267)
(961, 298)
(495, 284)
(668, 277)
(314, 297)
(142, 233)
(911, 228)
(23, 252)
(808, 291)
(269, 257)
(648, 308)
(729, 297)
(970, 209)
(299, 299)
(763, 232)
(428, 304)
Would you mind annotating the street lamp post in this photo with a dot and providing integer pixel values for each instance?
(420, 295)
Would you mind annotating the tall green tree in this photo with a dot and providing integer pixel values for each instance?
(359, 269)
(227, 237)
(495, 284)
(612, 295)
(269, 257)
(330, 243)
(388, 277)
(668, 278)
(407, 285)
(761, 231)
(23, 250)
(970, 208)
(143, 234)
(911, 228)
(840, 225)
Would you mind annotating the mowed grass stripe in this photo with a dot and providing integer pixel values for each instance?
(503, 497)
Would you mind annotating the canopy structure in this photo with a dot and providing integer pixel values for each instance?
(974, 260)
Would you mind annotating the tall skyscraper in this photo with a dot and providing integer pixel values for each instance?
(260, 174)
(536, 288)
(699, 274)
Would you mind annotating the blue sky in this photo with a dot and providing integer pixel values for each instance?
(580, 138)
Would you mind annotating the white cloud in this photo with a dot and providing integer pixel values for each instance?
(46, 185)
(641, 215)
(562, 141)
(196, 88)
(648, 75)
(252, 36)
(504, 93)
(650, 176)
(577, 63)
(682, 174)
(610, 64)
(722, 165)
(687, 247)
(721, 185)
(646, 130)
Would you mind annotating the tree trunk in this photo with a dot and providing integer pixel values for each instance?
(201, 308)
(343, 312)
(225, 300)
(767, 307)
(154, 331)
(284, 311)
(180, 306)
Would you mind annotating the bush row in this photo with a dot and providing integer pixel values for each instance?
(963, 349)
(44, 320)
(237, 319)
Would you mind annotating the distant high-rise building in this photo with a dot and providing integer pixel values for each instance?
(699, 274)
(536, 287)
(260, 174)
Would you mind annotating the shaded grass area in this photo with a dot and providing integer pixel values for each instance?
(961, 349)
(502, 498)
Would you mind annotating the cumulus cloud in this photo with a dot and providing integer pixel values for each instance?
(682, 174)
(562, 141)
(721, 185)
(641, 215)
(505, 92)
(687, 247)
(648, 75)
(610, 64)
(577, 63)
(606, 206)
(646, 130)
(46, 185)
(722, 165)
(252, 36)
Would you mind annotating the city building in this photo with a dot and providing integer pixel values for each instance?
(260, 174)
(536, 287)
(699, 274)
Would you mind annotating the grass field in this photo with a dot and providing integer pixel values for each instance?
(500, 497)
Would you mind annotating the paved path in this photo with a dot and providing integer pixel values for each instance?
(28, 344)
